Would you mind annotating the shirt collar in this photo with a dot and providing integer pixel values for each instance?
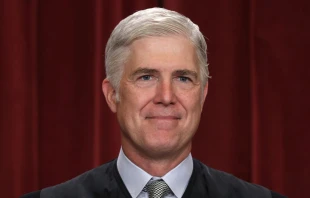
(133, 176)
(178, 178)
(136, 178)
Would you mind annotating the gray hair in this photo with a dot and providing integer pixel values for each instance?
(151, 22)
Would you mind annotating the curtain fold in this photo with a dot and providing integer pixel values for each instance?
(19, 145)
(55, 124)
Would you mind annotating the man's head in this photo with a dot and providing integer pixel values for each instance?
(146, 23)
(156, 83)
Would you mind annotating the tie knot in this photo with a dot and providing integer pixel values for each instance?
(157, 189)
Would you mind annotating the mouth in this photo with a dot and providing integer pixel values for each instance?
(163, 122)
(162, 118)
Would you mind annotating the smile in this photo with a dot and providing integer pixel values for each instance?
(163, 118)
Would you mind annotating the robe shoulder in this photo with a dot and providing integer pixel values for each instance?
(102, 181)
(35, 194)
(219, 184)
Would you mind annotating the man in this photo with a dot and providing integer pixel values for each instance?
(157, 82)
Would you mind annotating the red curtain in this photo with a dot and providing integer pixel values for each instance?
(55, 124)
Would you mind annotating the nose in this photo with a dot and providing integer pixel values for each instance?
(165, 93)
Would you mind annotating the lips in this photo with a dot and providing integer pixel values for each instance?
(161, 117)
(163, 122)
(163, 114)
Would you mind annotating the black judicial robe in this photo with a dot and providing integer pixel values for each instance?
(105, 182)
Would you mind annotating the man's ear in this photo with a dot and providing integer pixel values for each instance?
(110, 94)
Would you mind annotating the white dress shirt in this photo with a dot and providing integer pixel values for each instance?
(135, 178)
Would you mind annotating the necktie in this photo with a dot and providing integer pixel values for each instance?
(157, 189)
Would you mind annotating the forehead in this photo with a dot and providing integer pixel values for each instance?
(162, 53)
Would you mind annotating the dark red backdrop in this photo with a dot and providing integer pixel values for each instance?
(55, 124)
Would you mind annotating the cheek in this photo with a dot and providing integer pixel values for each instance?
(133, 100)
(190, 100)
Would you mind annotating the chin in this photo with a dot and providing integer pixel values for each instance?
(161, 147)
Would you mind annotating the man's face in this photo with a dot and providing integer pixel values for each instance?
(161, 97)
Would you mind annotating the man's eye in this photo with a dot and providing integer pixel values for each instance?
(184, 79)
(146, 77)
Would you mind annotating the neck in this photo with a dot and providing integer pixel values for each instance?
(154, 163)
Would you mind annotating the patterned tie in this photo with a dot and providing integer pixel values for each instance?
(157, 189)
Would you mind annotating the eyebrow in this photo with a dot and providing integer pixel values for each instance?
(181, 72)
(143, 70)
